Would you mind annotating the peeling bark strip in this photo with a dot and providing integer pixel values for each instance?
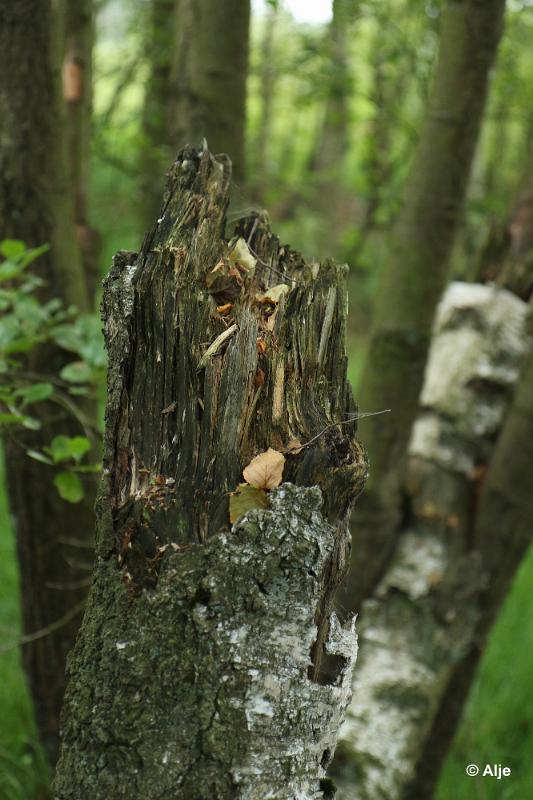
(424, 627)
(196, 673)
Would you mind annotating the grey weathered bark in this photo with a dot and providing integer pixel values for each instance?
(197, 670)
(36, 205)
(416, 273)
(209, 77)
(467, 529)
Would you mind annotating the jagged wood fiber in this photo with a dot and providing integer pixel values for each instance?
(196, 673)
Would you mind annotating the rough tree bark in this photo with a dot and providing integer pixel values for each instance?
(466, 530)
(197, 670)
(415, 275)
(36, 206)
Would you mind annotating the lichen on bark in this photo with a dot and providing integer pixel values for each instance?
(197, 670)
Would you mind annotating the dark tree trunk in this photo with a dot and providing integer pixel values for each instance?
(197, 672)
(157, 145)
(36, 206)
(77, 93)
(209, 77)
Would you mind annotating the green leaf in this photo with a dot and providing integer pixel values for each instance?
(10, 419)
(244, 499)
(63, 448)
(76, 372)
(38, 456)
(78, 391)
(12, 248)
(35, 393)
(33, 253)
(9, 270)
(90, 468)
(69, 486)
(31, 423)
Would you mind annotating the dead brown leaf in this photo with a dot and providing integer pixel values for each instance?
(273, 295)
(265, 471)
(294, 447)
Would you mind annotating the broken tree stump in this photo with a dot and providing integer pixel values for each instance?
(197, 670)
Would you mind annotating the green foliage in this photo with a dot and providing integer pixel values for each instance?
(69, 486)
(27, 324)
(24, 774)
(497, 726)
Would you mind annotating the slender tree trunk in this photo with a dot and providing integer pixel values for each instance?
(157, 144)
(77, 93)
(416, 273)
(36, 206)
(197, 671)
(332, 144)
(209, 77)
(268, 74)
(465, 533)
(196, 88)
(327, 163)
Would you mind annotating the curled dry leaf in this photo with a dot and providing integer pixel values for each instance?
(262, 346)
(294, 447)
(265, 471)
(239, 253)
(273, 295)
(244, 499)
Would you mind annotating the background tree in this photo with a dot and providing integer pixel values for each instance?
(37, 207)
(417, 270)
(77, 93)
(196, 87)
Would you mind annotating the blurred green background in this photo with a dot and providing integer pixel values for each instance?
(392, 49)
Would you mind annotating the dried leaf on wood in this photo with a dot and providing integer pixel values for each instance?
(245, 499)
(273, 295)
(265, 471)
(240, 254)
(294, 447)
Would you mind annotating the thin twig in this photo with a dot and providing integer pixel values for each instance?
(362, 415)
(270, 267)
(40, 634)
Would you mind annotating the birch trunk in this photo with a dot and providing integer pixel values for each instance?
(197, 671)
(467, 527)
